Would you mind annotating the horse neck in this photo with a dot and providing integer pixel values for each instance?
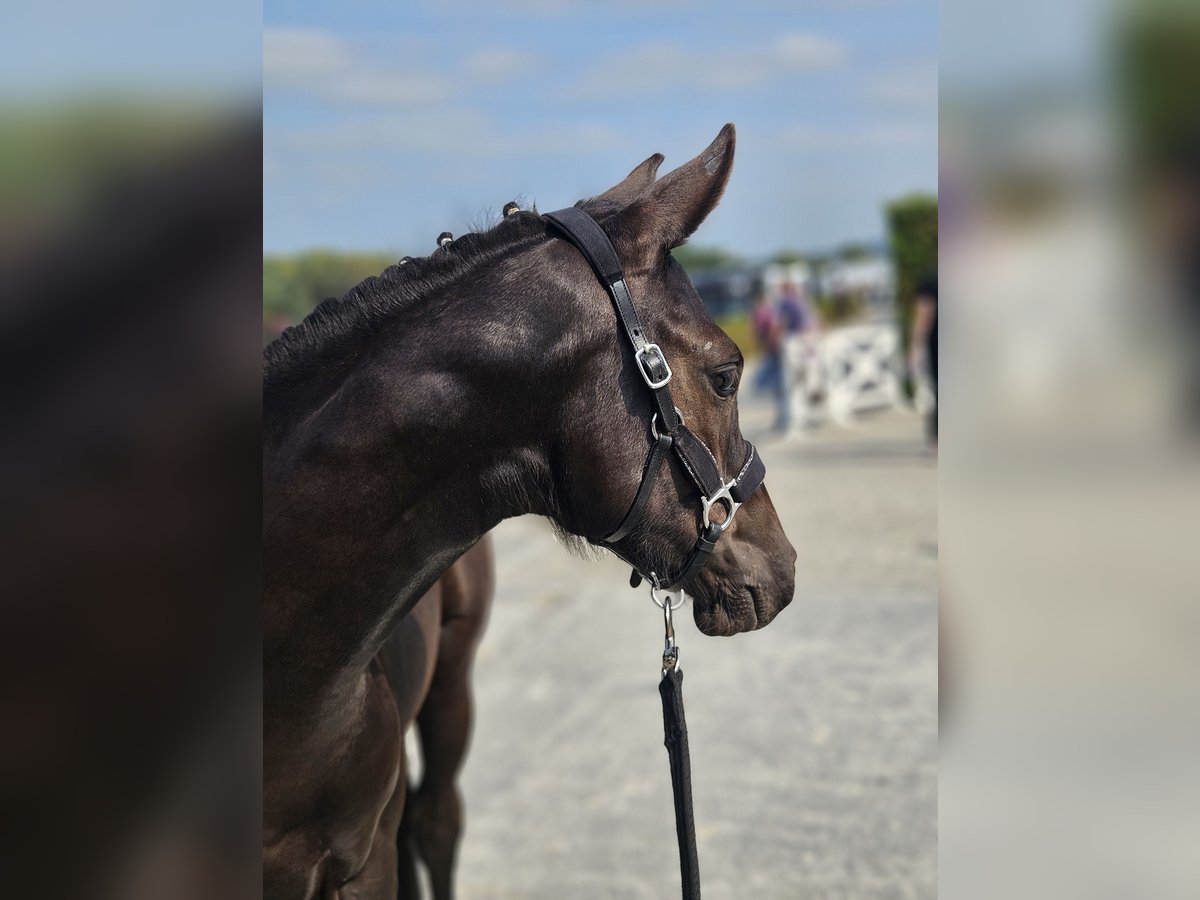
(432, 437)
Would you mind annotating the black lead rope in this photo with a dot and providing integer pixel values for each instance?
(676, 738)
(670, 688)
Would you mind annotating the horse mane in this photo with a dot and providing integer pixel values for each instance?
(338, 325)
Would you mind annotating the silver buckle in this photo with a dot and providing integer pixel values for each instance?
(654, 423)
(657, 350)
(722, 494)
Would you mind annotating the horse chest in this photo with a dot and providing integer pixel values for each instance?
(324, 813)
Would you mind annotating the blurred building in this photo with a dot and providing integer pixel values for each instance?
(863, 284)
(728, 291)
(869, 282)
(799, 273)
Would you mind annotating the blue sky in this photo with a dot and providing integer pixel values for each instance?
(387, 123)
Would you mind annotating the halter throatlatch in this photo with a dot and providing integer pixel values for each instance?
(667, 429)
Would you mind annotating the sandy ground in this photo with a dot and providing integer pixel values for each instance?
(814, 741)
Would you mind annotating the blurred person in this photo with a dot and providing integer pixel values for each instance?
(798, 323)
(923, 346)
(769, 333)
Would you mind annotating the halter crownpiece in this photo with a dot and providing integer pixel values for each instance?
(667, 429)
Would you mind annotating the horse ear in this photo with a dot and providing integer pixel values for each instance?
(670, 211)
(635, 182)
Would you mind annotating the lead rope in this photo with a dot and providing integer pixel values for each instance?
(670, 687)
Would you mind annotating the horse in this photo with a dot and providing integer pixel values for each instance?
(427, 661)
(406, 419)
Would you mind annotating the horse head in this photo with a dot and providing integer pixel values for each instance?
(608, 426)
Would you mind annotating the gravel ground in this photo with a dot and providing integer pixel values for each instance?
(814, 741)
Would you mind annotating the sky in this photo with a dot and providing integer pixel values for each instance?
(142, 48)
(387, 123)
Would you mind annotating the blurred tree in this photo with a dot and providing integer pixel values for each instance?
(702, 259)
(1158, 68)
(293, 285)
(1159, 58)
(913, 233)
(839, 308)
(788, 258)
(854, 251)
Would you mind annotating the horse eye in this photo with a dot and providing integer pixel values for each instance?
(725, 382)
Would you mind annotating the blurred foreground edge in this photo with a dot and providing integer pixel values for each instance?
(129, 343)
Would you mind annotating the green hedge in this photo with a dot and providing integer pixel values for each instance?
(293, 285)
(913, 233)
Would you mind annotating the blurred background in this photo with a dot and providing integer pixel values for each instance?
(1070, 167)
(814, 741)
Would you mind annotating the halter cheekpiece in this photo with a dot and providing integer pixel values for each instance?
(667, 428)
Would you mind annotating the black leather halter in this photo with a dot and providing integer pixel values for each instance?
(666, 426)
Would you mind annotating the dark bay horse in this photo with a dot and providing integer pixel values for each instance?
(406, 419)
(427, 662)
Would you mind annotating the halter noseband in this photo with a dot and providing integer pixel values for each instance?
(666, 425)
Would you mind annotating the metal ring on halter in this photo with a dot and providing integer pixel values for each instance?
(721, 496)
(672, 599)
(654, 421)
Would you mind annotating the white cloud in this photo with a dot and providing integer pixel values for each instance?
(385, 87)
(912, 85)
(542, 7)
(800, 50)
(457, 132)
(500, 64)
(421, 131)
(663, 67)
(322, 66)
(632, 8)
(295, 57)
(330, 70)
(889, 135)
